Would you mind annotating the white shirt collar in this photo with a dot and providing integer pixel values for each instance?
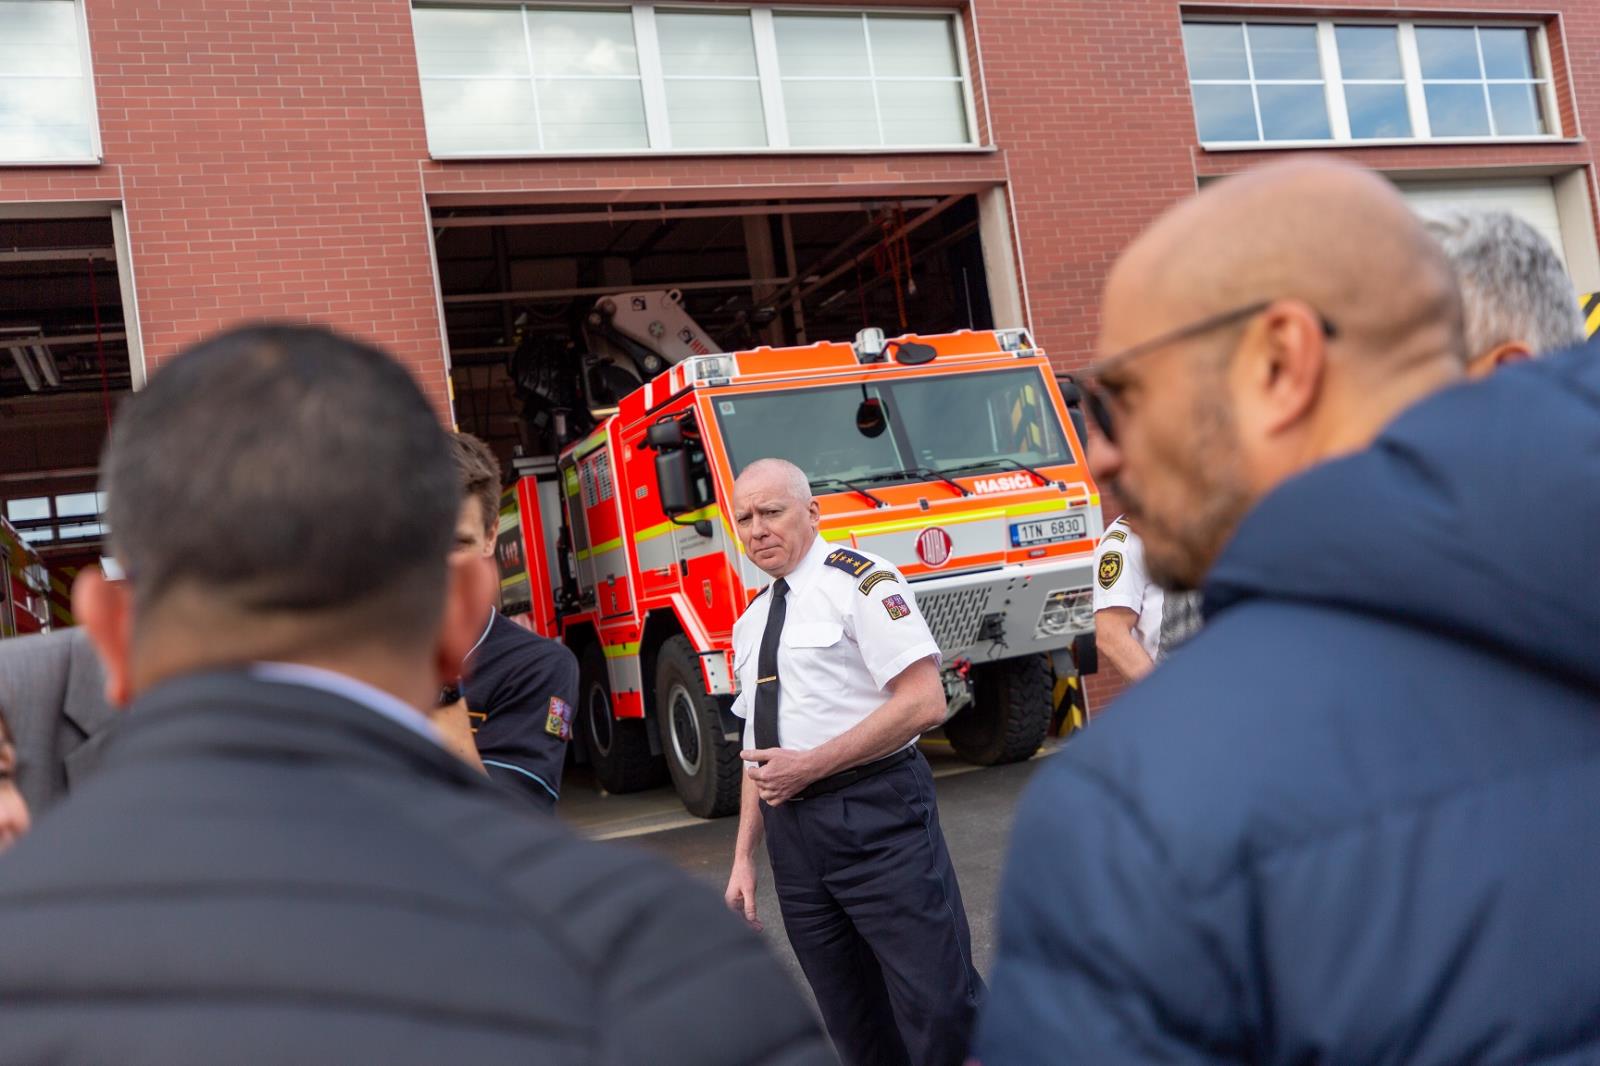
(374, 699)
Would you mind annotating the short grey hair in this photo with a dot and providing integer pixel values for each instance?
(1513, 286)
(794, 479)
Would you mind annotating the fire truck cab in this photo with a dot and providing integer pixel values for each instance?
(950, 455)
(25, 591)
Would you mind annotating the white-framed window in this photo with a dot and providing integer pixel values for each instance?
(1284, 82)
(537, 79)
(47, 109)
(52, 520)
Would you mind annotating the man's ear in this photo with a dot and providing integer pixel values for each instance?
(1497, 357)
(105, 610)
(469, 597)
(1286, 358)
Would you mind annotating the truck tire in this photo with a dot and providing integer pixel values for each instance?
(619, 748)
(705, 767)
(1009, 715)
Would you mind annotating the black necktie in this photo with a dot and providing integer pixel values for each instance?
(767, 670)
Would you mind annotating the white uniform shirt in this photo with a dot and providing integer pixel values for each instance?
(850, 627)
(1122, 581)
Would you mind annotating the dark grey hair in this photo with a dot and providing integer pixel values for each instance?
(285, 469)
(1513, 286)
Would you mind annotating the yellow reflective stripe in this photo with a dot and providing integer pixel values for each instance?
(708, 512)
(61, 613)
(923, 521)
(1591, 309)
(600, 549)
(595, 440)
(1037, 507)
(507, 582)
(619, 651)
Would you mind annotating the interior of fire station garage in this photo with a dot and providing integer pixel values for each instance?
(66, 360)
(528, 291)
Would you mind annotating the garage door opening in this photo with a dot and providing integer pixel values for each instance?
(531, 294)
(64, 365)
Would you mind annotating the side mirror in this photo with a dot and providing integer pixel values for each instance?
(912, 353)
(871, 417)
(666, 434)
(672, 478)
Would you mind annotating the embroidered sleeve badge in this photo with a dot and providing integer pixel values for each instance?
(1110, 569)
(896, 606)
(876, 578)
(558, 722)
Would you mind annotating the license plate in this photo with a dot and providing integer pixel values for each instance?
(1048, 530)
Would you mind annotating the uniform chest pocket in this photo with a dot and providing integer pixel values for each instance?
(812, 634)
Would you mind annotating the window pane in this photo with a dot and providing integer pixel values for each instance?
(1368, 52)
(1516, 110)
(38, 536)
(1215, 51)
(910, 46)
(592, 114)
(80, 529)
(1377, 111)
(479, 116)
(922, 112)
(1293, 113)
(716, 114)
(706, 43)
(484, 43)
(1225, 113)
(830, 113)
(582, 42)
(818, 45)
(1448, 52)
(1507, 53)
(75, 504)
(45, 118)
(28, 510)
(1457, 111)
(1284, 52)
(40, 38)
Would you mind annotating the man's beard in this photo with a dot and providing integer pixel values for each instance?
(1179, 549)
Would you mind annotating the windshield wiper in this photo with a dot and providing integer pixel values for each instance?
(1016, 464)
(851, 485)
(918, 471)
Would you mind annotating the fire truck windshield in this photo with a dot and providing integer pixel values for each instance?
(943, 422)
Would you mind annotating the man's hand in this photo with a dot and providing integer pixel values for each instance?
(782, 773)
(741, 893)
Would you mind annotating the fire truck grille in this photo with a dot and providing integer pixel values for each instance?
(954, 616)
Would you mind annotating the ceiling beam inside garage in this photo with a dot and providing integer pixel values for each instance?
(666, 214)
(605, 290)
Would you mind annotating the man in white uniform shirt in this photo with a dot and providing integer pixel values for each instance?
(1136, 622)
(838, 674)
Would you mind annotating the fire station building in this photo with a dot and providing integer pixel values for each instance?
(461, 182)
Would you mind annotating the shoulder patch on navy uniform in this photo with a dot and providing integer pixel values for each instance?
(1116, 534)
(1110, 569)
(558, 721)
(876, 578)
(850, 562)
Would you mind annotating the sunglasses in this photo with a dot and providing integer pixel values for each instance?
(1094, 394)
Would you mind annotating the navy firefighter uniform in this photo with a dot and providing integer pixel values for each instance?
(520, 689)
(864, 881)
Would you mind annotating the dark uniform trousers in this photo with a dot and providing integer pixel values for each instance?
(870, 904)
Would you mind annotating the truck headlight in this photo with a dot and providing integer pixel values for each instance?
(1065, 611)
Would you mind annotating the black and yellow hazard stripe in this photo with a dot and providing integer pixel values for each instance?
(1591, 313)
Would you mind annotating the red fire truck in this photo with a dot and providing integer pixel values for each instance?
(25, 591)
(949, 455)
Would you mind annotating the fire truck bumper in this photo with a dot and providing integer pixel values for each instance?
(1010, 611)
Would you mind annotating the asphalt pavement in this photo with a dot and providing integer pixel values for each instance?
(976, 806)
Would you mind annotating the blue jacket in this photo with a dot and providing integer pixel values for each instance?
(1357, 818)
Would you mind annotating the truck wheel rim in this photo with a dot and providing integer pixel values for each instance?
(600, 719)
(686, 745)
